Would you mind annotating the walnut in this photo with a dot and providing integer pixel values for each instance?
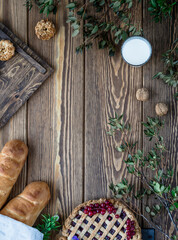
(7, 50)
(161, 109)
(45, 30)
(142, 94)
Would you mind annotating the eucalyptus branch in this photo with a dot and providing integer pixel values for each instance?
(160, 9)
(96, 24)
(170, 74)
(136, 163)
(45, 6)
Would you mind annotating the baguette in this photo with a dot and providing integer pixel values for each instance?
(27, 206)
(12, 159)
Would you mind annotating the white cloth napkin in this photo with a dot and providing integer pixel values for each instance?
(11, 229)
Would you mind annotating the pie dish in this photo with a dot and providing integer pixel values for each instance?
(101, 219)
(7, 50)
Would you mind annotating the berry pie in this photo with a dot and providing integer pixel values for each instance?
(101, 219)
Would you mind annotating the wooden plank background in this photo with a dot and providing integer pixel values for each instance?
(64, 123)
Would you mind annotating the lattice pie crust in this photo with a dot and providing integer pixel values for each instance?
(102, 227)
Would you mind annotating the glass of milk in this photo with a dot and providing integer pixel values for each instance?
(136, 51)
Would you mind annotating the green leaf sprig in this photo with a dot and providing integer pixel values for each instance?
(109, 32)
(149, 168)
(170, 75)
(28, 4)
(160, 9)
(121, 188)
(45, 6)
(49, 224)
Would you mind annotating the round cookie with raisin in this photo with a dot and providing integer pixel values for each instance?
(7, 50)
(45, 30)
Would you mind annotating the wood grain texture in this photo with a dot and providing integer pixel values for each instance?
(18, 49)
(110, 86)
(55, 130)
(40, 114)
(65, 122)
(20, 77)
(69, 90)
(161, 36)
(16, 128)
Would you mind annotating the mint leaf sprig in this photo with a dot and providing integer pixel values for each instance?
(49, 224)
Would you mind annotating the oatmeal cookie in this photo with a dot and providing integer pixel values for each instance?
(45, 30)
(7, 50)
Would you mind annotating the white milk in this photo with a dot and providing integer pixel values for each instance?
(136, 51)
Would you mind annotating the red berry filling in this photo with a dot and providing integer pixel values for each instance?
(101, 208)
(130, 229)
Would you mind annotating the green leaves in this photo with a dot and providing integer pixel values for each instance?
(71, 5)
(121, 189)
(95, 30)
(117, 124)
(131, 169)
(124, 147)
(49, 224)
(96, 26)
(142, 193)
(174, 193)
(174, 237)
(75, 33)
(102, 44)
(160, 9)
(28, 4)
(147, 209)
(153, 3)
(170, 75)
(118, 5)
(124, 35)
(73, 20)
(160, 188)
(174, 206)
(111, 51)
(154, 210)
(152, 128)
(155, 183)
(45, 6)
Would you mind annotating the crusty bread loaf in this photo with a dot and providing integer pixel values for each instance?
(12, 159)
(27, 206)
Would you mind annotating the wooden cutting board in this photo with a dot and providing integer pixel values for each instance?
(20, 76)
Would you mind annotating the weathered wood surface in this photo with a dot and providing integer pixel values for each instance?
(5, 34)
(64, 123)
(20, 77)
(161, 36)
(110, 86)
(16, 127)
